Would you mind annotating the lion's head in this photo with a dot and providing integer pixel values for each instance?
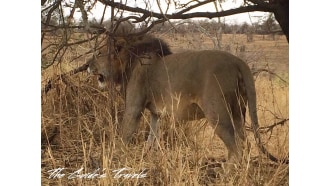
(125, 53)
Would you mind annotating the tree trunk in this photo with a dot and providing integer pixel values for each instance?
(281, 13)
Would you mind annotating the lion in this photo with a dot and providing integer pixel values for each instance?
(210, 84)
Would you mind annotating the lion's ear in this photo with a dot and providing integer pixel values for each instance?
(139, 48)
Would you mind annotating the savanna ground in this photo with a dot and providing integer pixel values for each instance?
(79, 130)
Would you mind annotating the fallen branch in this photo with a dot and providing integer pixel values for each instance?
(268, 128)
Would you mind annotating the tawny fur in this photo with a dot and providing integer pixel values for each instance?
(190, 85)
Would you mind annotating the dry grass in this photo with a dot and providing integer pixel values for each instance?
(78, 131)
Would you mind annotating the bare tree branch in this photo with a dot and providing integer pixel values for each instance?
(97, 29)
(194, 6)
(258, 2)
(270, 72)
(268, 128)
(179, 15)
(144, 31)
(49, 15)
(141, 15)
(49, 84)
(43, 2)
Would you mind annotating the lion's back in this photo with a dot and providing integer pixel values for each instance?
(195, 71)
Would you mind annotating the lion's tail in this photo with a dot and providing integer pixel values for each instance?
(252, 101)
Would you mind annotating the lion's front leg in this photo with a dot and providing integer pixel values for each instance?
(153, 137)
(134, 106)
(130, 123)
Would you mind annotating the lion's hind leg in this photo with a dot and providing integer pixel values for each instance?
(219, 116)
(238, 110)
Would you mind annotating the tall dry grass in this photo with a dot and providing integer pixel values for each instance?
(78, 131)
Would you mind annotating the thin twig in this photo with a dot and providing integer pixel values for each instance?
(268, 128)
(270, 72)
(50, 83)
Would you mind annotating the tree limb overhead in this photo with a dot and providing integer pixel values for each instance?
(180, 15)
